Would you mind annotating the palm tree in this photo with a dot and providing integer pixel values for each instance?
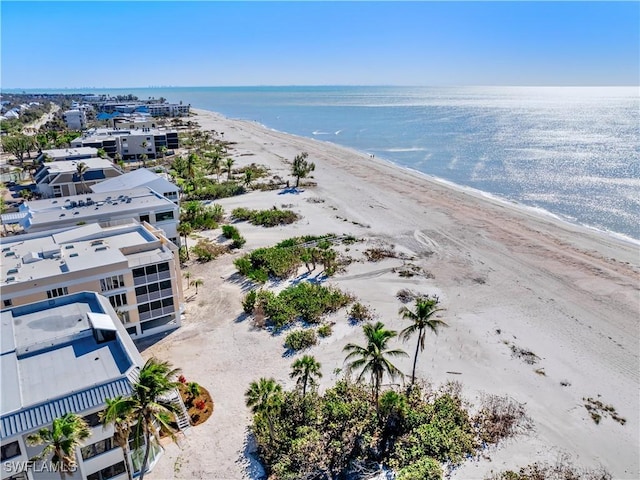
(144, 145)
(373, 358)
(301, 167)
(304, 369)
(229, 163)
(265, 397)
(248, 176)
(66, 434)
(120, 412)
(81, 169)
(197, 283)
(162, 151)
(184, 230)
(422, 318)
(151, 408)
(187, 275)
(192, 165)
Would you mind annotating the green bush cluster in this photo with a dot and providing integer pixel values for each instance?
(202, 217)
(301, 339)
(229, 231)
(305, 301)
(206, 189)
(324, 436)
(206, 250)
(266, 218)
(283, 260)
(325, 330)
(360, 313)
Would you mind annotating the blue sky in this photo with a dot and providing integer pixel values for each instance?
(146, 43)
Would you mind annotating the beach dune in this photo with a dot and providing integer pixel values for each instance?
(510, 279)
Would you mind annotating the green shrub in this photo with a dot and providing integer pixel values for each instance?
(206, 250)
(207, 189)
(360, 313)
(325, 330)
(249, 302)
(241, 213)
(229, 231)
(301, 339)
(424, 469)
(238, 242)
(265, 218)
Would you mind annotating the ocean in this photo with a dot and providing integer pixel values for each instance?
(573, 152)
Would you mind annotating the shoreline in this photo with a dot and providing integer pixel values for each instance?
(442, 181)
(507, 278)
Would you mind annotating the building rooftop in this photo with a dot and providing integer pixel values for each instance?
(137, 178)
(98, 134)
(96, 207)
(68, 152)
(26, 258)
(71, 166)
(62, 355)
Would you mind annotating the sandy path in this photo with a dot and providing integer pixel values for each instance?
(506, 275)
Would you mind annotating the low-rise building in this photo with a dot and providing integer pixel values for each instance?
(130, 144)
(141, 177)
(65, 355)
(106, 208)
(133, 265)
(62, 179)
(63, 154)
(168, 109)
(75, 119)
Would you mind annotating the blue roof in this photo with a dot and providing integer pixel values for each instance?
(37, 416)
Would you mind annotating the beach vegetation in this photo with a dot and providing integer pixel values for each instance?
(266, 218)
(343, 431)
(201, 217)
(305, 370)
(206, 250)
(301, 339)
(377, 254)
(301, 167)
(422, 319)
(308, 302)
(373, 358)
(285, 258)
(231, 232)
(360, 313)
(325, 330)
(563, 468)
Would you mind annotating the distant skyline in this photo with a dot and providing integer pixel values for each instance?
(122, 44)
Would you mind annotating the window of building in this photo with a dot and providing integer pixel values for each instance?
(118, 300)
(57, 292)
(8, 302)
(144, 218)
(19, 476)
(93, 419)
(10, 450)
(141, 290)
(162, 216)
(138, 272)
(98, 448)
(111, 283)
(123, 316)
(109, 472)
(163, 267)
(151, 269)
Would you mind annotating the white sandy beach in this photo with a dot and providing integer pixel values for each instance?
(503, 273)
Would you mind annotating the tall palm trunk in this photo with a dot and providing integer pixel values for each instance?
(147, 450)
(415, 357)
